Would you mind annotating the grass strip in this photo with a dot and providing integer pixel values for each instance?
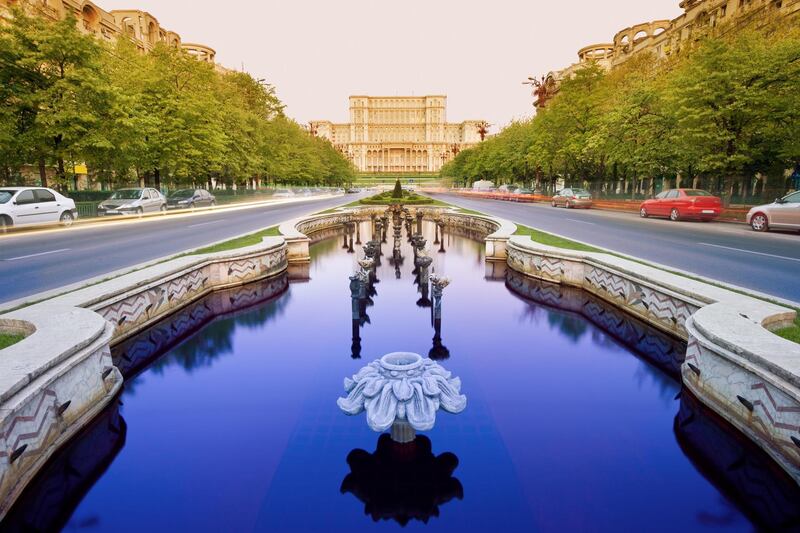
(9, 339)
(549, 239)
(791, 333)
(239, 242)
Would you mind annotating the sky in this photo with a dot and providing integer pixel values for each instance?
(319, 52)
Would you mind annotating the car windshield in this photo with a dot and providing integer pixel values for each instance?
(127, 194)
(5, 196)
(183, 193)
(793, 198)
(695, 192)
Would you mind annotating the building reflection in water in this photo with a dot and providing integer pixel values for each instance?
(402, 482)
(739, 469)
(49, 501)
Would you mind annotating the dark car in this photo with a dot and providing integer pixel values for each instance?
(190, 198)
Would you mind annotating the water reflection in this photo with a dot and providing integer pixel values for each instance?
(740, 470)
(667, 353)
(139, 351)
(402, 482)
(228, 446)
(49, 501)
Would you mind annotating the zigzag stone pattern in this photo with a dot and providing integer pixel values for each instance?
(740, 369)
(746, 400)
(140, 350)
(146, 305)
(40, 422)
(660, 350)
(671, 313)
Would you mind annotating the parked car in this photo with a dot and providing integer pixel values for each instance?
(525, 191)
(191, 198)
(353, 190)
(783, 213)
(34, 205)
(283, 193)
(133, 202)
(680, 204)
(572, 197)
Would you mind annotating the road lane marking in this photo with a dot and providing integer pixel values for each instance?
(206, 223)
(582, 222)
(750, 251)
(37, 255)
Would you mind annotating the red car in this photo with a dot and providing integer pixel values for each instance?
(678, 204)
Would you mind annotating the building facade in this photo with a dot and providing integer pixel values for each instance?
(664, 38)
(399, 134)
(142, 28)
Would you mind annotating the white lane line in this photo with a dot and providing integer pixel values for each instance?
(582, 222)
(206, 223)
(37, 255)
(750, 252)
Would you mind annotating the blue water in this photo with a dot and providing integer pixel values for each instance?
(568, 426)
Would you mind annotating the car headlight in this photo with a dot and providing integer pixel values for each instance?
(183, 202)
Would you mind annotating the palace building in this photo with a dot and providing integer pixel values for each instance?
(666, 37)
(142, 28)
(400, 134)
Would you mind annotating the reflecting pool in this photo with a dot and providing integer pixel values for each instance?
(575, 420)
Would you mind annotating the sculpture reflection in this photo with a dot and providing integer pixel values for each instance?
(439, 351)
(402, 482)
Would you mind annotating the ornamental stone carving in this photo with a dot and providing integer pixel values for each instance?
(402, 391)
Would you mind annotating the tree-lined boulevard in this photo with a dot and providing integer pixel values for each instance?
(160, 119)
(35, 262)
(727, 252)
(722, 115)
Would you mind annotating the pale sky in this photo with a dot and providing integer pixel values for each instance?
(318, 52)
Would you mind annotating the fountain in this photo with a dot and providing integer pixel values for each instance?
(402, 391)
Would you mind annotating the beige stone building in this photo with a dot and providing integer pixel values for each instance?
(666, 37)
(399, 134)
(142, 28)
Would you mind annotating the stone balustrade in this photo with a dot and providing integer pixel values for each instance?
(62, 374)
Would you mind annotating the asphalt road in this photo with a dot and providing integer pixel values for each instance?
(733, 253)
(33, 262)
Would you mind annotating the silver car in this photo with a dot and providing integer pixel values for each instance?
(783, 213)
(133, 202)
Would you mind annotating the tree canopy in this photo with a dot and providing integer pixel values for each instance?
(67, 99)
(722, 111)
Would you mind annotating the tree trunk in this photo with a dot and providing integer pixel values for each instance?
(42, 171)
(157, 175)
(62, 175)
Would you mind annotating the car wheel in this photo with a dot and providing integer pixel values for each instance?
(192, 206)
(553, 203)
(643, 213)
(66, 219)
(139, 211)
(674, 215)
(213, 204)
(163, 209)
(568, 205)
(759, 222)
(5, 224)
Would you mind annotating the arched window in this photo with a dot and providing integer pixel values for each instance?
(90, 17)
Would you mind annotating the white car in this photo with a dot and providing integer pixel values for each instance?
(34, 205)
